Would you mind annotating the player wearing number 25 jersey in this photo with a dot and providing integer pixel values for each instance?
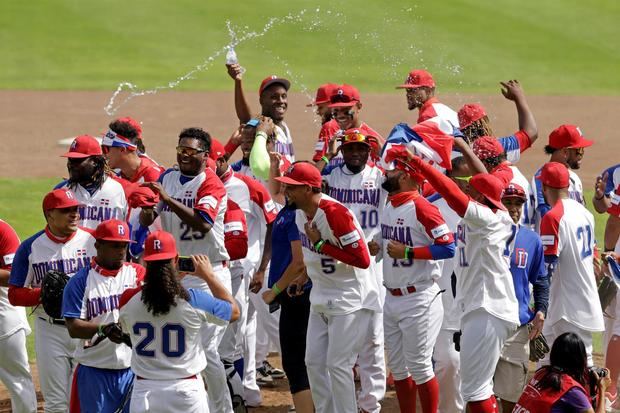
(164, 321)
(567, 233)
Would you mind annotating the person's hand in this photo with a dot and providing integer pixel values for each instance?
(266, 126)
(537, 325)
(512, 90)
(460, 142)
(158, 188)
(599, 185)
(603, 382)
(203, 266)
(235, 71)
(374, 248)
(275, 158)
(332, 150)
(257, 281)
(298, 285)
(113, 332)
(269, 296)
(235, 138)
(396, 250)
(312, 232)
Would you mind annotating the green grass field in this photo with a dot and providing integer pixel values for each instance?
(554, 47)
(23, 212)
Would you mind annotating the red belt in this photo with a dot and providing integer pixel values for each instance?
(402, 291)
(183, 378)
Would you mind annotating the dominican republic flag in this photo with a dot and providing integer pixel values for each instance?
(431, 140)
(614, 269)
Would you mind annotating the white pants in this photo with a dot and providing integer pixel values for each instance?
(54, 348)
(552, 332)
(164, 396)
(448, 373)
(371, 363)
(333, 343)
(412, 323)
(231, 347)
(15, 372)
(267, 327)
(251, 392)
(481, 344)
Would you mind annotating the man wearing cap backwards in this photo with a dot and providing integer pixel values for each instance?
(566, 146)
(414, 238)
(192, 207)
(527, 265)
(420, 88)
(567, 233)
(14, 367)
(344, 291)
(475, 123)
(484, 292)
(102, 379)
(490, 151)
(61, 246)
(345, 104)
(273, 99)
(357, 185)
(248, 275)
(101, 196)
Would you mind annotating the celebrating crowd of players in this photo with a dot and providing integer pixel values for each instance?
(424, 259)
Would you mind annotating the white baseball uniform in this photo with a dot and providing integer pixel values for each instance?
(361, 193)
(567, 233)
(107, 202)
(342, 300)
(53, 346)
(206, 194)
(14, 367)
(167, 355)
(575, 192)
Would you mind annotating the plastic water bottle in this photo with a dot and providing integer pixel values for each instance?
(231, 58)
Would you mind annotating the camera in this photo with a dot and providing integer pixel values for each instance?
(594, 374)
(186, 264)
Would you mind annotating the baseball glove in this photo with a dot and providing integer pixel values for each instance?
(114, 333)
(52, 287)
(607, 290)
(538, 348)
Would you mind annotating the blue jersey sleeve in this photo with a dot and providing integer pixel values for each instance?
(442, 251)
(62, 184)
(541, 205)
(538, 277)
(236, 166)
(610, 185)
(21, 262)
(204, 301)
(73, 296)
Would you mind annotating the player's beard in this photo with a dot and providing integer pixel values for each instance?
(391, 184)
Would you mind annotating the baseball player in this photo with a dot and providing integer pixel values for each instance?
(260, 212)
(321, 103)
(345, 104)
(344, 291)
(357, 185)
(475, 123)
(101, 196)
(567, 233)
(420, 88)
(490, 151)
(273, 99)
(192, 208)
(102, 380)
(61, 246)
(527, 265)
(566, 146)
(165, 322)
(484, 291)
(14, 367)
(414, 237)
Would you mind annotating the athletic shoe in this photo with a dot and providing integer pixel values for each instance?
(272, 371)
(263, 378)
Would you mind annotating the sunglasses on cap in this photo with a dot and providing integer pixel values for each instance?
(184, 150)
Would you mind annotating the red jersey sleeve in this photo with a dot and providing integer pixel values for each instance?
(550, 229)
(431, 219)
(328, 130)
(352, 248)
(524, 140)
(127, 294)
(140, 272)
(235, 232)
(9, 242)
(210, 195)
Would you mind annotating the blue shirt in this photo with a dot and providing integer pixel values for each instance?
(284, 231)
(527, 266)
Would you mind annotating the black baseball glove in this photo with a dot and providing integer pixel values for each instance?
(538, 348)
(114, 333)
(52, 287)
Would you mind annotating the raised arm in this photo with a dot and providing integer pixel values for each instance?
(241, 104)
(512, 91)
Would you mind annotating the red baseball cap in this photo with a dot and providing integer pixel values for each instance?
(487, 147)
(344, 96)
(217, 150)
(554, 175)
(59, 199)
(513, 190)
(270, 80)
(142, 196)
(491, 187)
(470, 113)
(133, 123)
(82, 147)
(417, 78)
(302, 173)
(323, 94)
(113, 230)
(160, 245)
(568, 136)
